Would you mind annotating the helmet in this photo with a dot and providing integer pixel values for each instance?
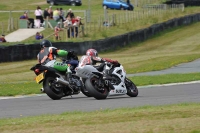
(45, 43)
(92, 52)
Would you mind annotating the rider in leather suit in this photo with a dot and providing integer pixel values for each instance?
(48, 53)
(95, 59)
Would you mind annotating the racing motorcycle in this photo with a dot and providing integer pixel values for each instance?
(55, 82)
(111, 81)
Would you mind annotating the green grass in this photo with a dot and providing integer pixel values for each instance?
(19, 88)
(182, 118)
(165, 79)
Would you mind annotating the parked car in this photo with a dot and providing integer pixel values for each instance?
(117, 4)
(65, 2)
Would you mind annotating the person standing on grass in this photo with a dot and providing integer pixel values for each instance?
(46, 13)
(50, 11)
(57, 29)
(62, 15)
(56, 14)
(70, 13)
(39, 17)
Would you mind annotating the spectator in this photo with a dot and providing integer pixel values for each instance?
(46, 13)
(67, 24)
(30, 21)
(62, 15)
(39, 36)
(39, 17)
(56, 15)
(70, 13)
(75, 23)
(2, 38)
(79, 19)
(129, 4)
(57, 29)
(50, 11)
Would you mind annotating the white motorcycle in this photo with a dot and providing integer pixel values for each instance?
(111, 81)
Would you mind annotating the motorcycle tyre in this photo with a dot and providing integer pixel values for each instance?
(49, 91)
(93, 92)
(129, 92)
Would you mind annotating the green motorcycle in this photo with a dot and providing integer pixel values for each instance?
(55, 82)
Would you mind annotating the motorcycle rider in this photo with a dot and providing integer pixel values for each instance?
(93, 54)
(94, 59)
(48, 53)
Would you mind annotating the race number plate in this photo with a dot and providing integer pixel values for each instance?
(39, 78)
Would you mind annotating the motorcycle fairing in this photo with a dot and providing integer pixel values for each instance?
(86, 71)
(120, 88)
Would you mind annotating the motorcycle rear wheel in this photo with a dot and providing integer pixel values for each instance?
(132, 90)
(51, 90)
(98, 93)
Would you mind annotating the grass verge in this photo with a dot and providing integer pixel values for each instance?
(182, 118)
(165, 79)
(25, 88)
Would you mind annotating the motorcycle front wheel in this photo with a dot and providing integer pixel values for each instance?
(94, 90)
(132, 90)
(51, 89)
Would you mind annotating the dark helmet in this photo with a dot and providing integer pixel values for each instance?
(45, 43)
(92, 52)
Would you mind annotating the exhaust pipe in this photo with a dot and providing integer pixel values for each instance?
(59, 80)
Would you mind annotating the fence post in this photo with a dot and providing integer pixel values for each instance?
(94, 25)
(63, 34)
(114, 19)
(70, 32)
(119, 18)
(2, 28)
(74, 32)
(100, 22)
(183, 7)
(46, 22)
(12, 24)
(83, 30)
(9, 24)
(126, 16)
(85, 27)
(66, 31)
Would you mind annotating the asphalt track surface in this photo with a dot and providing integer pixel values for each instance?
(152, 95)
